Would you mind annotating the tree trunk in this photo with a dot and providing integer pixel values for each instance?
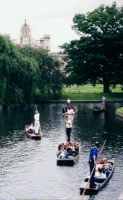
(106, 85)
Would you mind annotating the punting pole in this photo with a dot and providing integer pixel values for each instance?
(92, 172)
(36, 107)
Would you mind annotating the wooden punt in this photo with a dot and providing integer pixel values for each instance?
(67, 161)
(72, 113)
(32, 136)
(100, 183)
(98, 110)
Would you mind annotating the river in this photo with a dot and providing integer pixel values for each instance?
(28, 168)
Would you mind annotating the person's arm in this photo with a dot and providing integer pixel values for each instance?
(68, 122)
(94, 157)
(99, 153)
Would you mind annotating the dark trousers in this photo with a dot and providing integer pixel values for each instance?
(68, 132)
(91, 163)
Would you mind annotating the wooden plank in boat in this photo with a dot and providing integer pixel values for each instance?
(67, 161)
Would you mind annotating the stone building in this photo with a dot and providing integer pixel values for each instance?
(25, 35)
(25, 38)
(43, 42)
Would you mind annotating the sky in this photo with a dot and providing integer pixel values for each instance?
(53, 17)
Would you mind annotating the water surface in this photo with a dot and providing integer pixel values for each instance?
(28, 168)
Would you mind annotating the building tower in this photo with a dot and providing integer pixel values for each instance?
(25, 35)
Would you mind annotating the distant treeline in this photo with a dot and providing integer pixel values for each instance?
(27, 74)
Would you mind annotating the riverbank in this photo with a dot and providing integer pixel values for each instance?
(89, 92)
(82, 101)
(119, 112)
(91, 96)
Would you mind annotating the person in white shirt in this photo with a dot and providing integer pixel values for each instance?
(36, 122)
(100, 174)
(68, 126)
(70, 111)
(98, 165)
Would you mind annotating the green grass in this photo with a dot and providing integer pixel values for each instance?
(88, 92)
(120, 110)
(91, 89)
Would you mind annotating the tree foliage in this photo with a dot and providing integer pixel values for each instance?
(98, 55)
(27, 74)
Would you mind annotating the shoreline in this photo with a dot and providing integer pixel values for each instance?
(81, 101)
(119, 114)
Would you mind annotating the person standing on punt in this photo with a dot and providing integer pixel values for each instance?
(36, 123)
(92, 163)
(68, 102)
(103, 101)
(68, 126)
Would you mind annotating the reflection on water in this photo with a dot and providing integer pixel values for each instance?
(28, 168)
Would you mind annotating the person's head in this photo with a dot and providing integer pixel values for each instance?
(97, 144)
(31, 124)
(59, 147)
(105, 160)
(36, 112)
(101, 161)
(66, 117)
(100, 170)
(62, 147)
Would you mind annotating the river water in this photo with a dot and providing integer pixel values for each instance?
(28, 168)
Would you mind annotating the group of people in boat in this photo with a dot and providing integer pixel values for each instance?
(69, 110)
(35, 128)
(68, 150)
(102, 168)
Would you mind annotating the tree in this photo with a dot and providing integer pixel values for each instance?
(50, 81)
(98, 55)
(27, 74)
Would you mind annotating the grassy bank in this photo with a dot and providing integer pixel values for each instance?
(120, 110)
(88, 92)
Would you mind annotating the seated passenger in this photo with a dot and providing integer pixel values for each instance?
(69, 151)
(69, 111)
(76, 150)
(97, 107)
(74, 109)
(98, 165)
(106, 164)
(31, 129)
(62, 153)
(64, 110)
(77, 146)
(106, 167)
(100, 174)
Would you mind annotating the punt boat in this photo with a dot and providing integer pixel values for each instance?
(98, 110)
(33, 135)
(99, 182)
(67, 113)
(70, 160)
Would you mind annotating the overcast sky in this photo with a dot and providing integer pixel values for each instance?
(52, 17)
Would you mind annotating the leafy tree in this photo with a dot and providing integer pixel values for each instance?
(27, 74)
(49, 83)
(98, 55)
